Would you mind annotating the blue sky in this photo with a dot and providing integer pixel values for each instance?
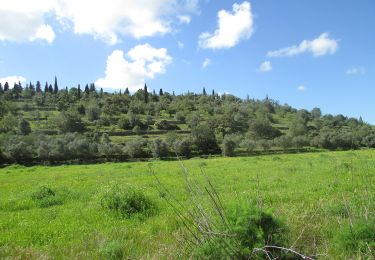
(305, 53)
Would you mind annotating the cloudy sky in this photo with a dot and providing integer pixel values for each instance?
(305, 53)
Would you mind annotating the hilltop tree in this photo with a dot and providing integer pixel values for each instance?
(50, 88)
(46, 88)
(126, 91)
(204, 139)
(161, 92)
(6, 87)
(204, 91)
(145, 93)
(38, 88)
(55, 86)
(79, 92)
(1, 89)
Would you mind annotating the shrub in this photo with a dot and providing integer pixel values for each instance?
(46, 197)
(248, 144)
(112, 250)
(128, 202)
(247, 230)
(165, 125)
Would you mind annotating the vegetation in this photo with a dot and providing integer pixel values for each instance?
(317, 204)
(46, 123)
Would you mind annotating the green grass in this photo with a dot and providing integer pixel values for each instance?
(312, 193)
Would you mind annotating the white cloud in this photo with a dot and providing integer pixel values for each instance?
(301, 88)
(232, 28)
(180, 45)
(24, 20)
(131, 70)
(355, 71)
(320, 46)
(265, 66)
(12, 79)
(207, 62)
(184, 19)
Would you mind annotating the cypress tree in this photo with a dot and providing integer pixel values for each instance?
(46, 88)
(146, 93)
(1, 88)
(38, 87)
(79, 92)
(161, 92)
(126, 91)
(92, 87)
(101, 92)
(204, 91)
(87, 90)
(55, 86)
(50, 88)
(6, 86)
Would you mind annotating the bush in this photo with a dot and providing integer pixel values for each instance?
(46, 197)
(128, 202)
(248, 144)
(249, 229)
(165, 125)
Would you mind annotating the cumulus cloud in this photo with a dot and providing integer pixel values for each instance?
(25, 20)
(355, 71)
(301, 88)
(323, 45)
(131, 70)
(233, 27)
(207, 62)
(12, 79)
(22, 20)
(265, 66)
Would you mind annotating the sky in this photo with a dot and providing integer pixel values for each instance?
(307, 53)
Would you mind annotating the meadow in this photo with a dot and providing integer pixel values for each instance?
(320, 197)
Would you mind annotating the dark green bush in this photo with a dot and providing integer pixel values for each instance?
(46, 197)
(248, 229)
(128, 202)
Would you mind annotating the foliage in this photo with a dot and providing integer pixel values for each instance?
(127, 202)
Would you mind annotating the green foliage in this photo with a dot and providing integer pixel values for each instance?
(248, 229)
(229, 145)
(112, 250)
(203, 138)
(159, 149)
(71, 122)
(127, 202)
(24, 127)
(357, 238)
(46, 197)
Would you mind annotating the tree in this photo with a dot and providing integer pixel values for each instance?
(38, 87)
(50, 88)
(93, 112)
(248, 144)
(204, 91)
(203, 138)
(24, 127)
(161, 92)
(229, 145)
(92, 88)
(6, 86)
(55, 86)
(87, 89)
(145, 94)
(79, 92)
(71, 122)
(284, 141)
(1, 89)
(159, 148)
(126, 91)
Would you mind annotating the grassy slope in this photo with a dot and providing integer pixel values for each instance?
(305, 190)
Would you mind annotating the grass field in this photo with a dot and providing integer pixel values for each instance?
(316, 195)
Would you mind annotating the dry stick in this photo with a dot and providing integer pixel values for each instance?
(255, 250)
(289, 250)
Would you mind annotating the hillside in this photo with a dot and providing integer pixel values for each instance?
(68, 124)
